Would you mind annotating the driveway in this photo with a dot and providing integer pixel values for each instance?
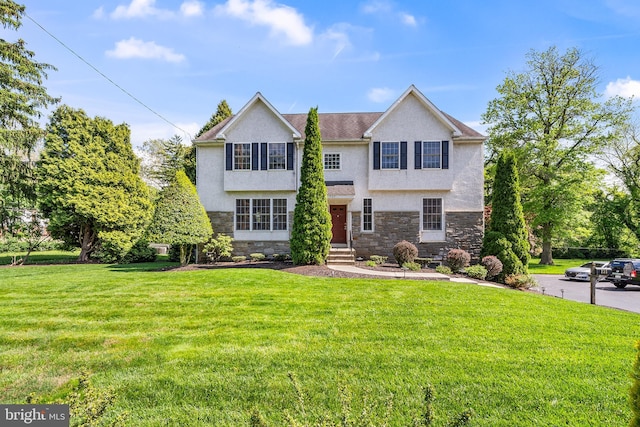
(606, 294)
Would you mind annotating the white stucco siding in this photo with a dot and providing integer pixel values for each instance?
(467, 191)
(210, 175)
(258, 124)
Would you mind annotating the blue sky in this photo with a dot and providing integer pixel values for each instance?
(181, 57)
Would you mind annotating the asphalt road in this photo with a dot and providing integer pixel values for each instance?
(606, 294)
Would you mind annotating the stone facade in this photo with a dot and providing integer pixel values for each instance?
(464, 231)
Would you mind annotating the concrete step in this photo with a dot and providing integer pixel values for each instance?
(341, 256)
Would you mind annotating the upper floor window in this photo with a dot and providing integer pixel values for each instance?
(242, 156)
(332, 161)
(277, 155)
(432, 154)
(390, 155)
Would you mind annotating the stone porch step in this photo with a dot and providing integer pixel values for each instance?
(341, 256)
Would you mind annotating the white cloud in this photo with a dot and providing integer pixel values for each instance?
(138, 9)
(381, 94)
(388, 8)
(192, 8)
(626, 88)
(135, 48)
(98, 13)
(281, 19)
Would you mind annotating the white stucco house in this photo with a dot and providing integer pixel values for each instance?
(410, 173)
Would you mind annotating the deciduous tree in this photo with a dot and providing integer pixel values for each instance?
(22, 99)
(311, 234)
(179, 218)
(550, 116)
(89, 184)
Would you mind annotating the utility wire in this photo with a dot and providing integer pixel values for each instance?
(107, 78)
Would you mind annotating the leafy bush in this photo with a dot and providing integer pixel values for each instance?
(458, 259)
(413, 266)
(443, 269)
(493, 266)
(379, 259)
(239, 258)
(370, 263)
(634, 392)
(424, 262)
(405, 252)
(218, 247)
(519, 281)
(140, 252)
(476, 272)
(257, 257)
(495, 243)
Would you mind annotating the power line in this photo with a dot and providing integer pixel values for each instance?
(129, 94)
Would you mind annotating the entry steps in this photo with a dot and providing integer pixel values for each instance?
(341, 256)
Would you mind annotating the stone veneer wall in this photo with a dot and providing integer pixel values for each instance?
(464, 230)
(222, 222)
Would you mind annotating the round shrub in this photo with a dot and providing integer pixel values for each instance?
(476, 272)
(257, 257)
(413, 266)
(493, 265)
(458, 259)
(519, 281)
(443, 269)
(405, 252)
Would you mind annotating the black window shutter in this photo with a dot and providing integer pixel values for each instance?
(263, 156)
(418, 154)
(403, 154)
(376, 155)
(255, 156)
(228, 156)
(445, 154)
(290, 156)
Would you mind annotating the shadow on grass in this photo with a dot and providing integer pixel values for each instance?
(144, 267)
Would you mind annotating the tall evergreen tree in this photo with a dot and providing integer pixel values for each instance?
(507, 233)
(311, 234)
(89, 184)
(22, 99)
(179, 218)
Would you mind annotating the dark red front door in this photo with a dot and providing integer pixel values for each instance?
(339, 223)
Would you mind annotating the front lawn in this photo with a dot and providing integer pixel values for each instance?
(206, 347)
(560, 265)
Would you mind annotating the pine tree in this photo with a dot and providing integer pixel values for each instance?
(311, 234)
(179, 218)
(22, 99)
(506, 237)
(89, 184)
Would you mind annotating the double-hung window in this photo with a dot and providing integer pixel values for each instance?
(277, 156)
(261, 214)
(431, 154)
(432, 214)
(242, 156)
(390, 155)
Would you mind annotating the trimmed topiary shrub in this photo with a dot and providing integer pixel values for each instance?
(239, 258)
(458, 259)
(405, 252)
(476, 272)
(519, 281)
(493, 266)
(257, 257)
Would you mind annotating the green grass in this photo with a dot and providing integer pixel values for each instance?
(205, 347)
(560, 265)
(44, 257)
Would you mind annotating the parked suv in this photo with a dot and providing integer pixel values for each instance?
(624, 271)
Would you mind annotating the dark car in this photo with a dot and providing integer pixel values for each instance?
(625, 271)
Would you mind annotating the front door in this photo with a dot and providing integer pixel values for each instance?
(339, 223)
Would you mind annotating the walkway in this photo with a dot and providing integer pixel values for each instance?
(404, 274)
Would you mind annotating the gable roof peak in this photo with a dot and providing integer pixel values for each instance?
(413, 90)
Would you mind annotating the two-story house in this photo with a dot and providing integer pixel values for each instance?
(410, 173)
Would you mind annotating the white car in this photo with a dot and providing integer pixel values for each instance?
(583, 272)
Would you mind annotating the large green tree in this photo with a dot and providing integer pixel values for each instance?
(22, 99)
(311, 234)
(179, 218)
(552, 118)
(161, 159)
(89, 185)
(507, 235)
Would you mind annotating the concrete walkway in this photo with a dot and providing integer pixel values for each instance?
(407, 275)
